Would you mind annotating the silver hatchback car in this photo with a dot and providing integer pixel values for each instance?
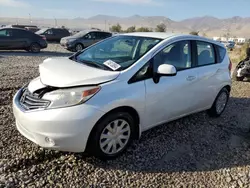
(100, 99)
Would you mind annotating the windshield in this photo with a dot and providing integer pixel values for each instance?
(80, 34)
(41, 31)
(117, 53)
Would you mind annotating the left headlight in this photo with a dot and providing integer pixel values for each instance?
(70, 97)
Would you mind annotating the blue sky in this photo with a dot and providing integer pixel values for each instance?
(173, 9)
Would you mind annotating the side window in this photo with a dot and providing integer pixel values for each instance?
(177, 54)
(3, 32)
(147, 44)
(49, 32)
(91, 35)
(221, 53)
(205, 53)
(6, 33)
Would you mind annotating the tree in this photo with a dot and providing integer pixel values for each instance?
(131, 29)
(116, 28)
(194, 33)
(161, 28)
(143, 29)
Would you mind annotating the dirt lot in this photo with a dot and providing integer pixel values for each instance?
(196, 151)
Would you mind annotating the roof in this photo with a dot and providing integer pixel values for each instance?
(160, 35)
(14, 28)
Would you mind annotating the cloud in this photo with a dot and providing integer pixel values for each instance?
(14, 3)
(131, 2)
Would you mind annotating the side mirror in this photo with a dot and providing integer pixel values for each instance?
(166, 70)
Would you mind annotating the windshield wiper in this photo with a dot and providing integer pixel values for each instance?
(94, 64)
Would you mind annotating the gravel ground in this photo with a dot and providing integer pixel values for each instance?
(196, 151)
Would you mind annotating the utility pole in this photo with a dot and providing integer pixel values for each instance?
(30, 18)
(55, 22)
(105, 24)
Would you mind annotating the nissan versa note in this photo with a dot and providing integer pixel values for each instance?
(101, 98)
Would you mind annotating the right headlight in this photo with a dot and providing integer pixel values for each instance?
(70, 97)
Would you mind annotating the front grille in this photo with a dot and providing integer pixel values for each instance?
(32, 101)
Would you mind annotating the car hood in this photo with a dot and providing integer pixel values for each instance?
(63, 72)
(69, 37)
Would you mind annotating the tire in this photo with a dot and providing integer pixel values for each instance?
(217, 109)
(235, 77)
(78, 47)
(35, 48)
(100, 147)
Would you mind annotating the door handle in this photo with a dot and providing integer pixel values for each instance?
(191, 78)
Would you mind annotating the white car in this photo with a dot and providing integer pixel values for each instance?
(101, 98)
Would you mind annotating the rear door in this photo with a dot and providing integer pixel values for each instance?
(210, 71)
(21, 38)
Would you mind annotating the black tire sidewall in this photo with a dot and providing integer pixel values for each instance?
(77, 45)
(94, 146)
(31, 49)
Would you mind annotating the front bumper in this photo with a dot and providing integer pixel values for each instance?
(67, 129)
(68, 46)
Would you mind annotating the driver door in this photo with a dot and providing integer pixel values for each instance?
(173, 96)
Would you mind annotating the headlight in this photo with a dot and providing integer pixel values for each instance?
(70, 97)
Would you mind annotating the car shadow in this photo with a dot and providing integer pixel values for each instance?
(41, 54)
(193, 144)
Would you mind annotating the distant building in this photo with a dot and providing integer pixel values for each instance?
(236, 40)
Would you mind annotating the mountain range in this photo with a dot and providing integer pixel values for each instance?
(206, 25)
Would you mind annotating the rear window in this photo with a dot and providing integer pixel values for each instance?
(221, 53)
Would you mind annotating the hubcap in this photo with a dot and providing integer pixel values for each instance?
(78, 47)
(221, 102)
(115, 136)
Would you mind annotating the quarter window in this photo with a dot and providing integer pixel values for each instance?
(205, 54)
(177, 54)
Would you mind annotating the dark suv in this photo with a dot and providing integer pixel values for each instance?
(83, 39)
(53, 34)
(17, 39)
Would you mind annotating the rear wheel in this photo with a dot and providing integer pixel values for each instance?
(219, 104)
(35, 48)
(112, 135)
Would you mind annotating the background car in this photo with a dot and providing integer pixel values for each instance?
(16, 39)
(53, 34)
(32, 29)
(83, 39)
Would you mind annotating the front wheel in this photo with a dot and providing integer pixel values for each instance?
(219, 104)
(112, 135)
(78, 47)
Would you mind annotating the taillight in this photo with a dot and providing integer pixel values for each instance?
(230, 65)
